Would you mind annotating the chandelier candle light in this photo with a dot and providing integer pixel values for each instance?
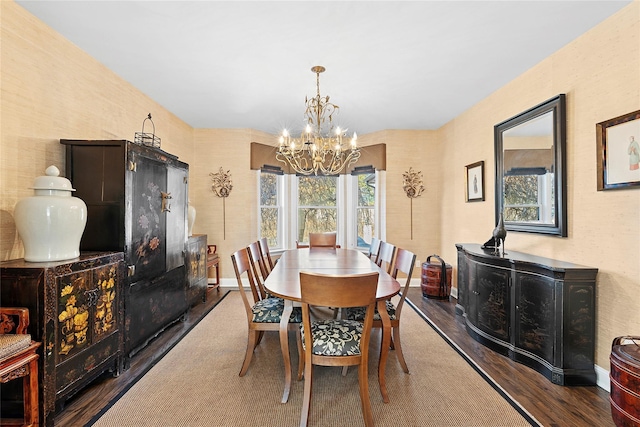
(314, 152)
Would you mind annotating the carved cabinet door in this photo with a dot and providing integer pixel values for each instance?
(149, 201)
(535, 314)
(493, 301)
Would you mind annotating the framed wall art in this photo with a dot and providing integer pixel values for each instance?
(618, 151)
(475, 182)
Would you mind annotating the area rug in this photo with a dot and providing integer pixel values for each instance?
(197, 384)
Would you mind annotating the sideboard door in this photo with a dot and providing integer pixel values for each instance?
(535, 317)
(493, 301)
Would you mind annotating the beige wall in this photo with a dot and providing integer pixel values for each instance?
(51, 90)
(229, 223)
(600, 73)
(421, 151)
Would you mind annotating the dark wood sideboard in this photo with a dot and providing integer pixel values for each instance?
(76, 310)
(535, 310)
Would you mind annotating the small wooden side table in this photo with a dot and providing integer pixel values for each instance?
(213, 261)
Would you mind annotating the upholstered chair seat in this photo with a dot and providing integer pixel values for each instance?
(269, 310)
(357, 313)
(335, 337)
(11, 344)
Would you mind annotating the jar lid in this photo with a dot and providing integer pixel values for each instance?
(52, 181)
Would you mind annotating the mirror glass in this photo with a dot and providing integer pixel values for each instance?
(530, 182)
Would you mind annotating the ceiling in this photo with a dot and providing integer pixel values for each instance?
(390, 64)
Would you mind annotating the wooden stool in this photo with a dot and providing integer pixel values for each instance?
(213, 261)
(18, 359)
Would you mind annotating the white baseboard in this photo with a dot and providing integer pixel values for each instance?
(602, 378)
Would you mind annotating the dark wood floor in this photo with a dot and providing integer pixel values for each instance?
(84, 408)
(550, 404)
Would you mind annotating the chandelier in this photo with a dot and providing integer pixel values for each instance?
(314, 151)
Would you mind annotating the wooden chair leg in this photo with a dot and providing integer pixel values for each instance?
(398, 347)
(306, 400)
(30, 390)
(260, 335)
(364, 394)
(300, 354)
(252, 341)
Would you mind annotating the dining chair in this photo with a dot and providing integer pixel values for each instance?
(266, 254)
(385, 256)
(322, 240)
(337, 342)
(263, 314)
(18, 359)
(404, 262)
(258, 265)
(374, 247)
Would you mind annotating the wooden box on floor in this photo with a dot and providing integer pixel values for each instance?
(625, 381)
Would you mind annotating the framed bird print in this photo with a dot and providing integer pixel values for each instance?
(475, 182)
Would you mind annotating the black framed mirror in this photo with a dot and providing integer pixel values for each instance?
(530, 161)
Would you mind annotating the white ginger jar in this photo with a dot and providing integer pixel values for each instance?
(51, 222)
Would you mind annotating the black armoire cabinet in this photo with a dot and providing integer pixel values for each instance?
(537, 311)
(136, 200)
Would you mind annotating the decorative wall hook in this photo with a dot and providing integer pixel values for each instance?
(222, 187)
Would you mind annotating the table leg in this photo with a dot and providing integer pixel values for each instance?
(384, 349)
(284, 345)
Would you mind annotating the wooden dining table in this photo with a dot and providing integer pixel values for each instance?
(284, 282)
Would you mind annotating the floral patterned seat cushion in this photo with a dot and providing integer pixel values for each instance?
(269, 310)
(335, 337)
(357, 313)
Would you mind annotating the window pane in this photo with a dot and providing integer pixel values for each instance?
(269, 225)
(270, 209)
(521, 198)
(365, 213)
(268, 189)
(366, 190)
(317, 206)
(366, 226)
(315, 220)
(317, 190)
